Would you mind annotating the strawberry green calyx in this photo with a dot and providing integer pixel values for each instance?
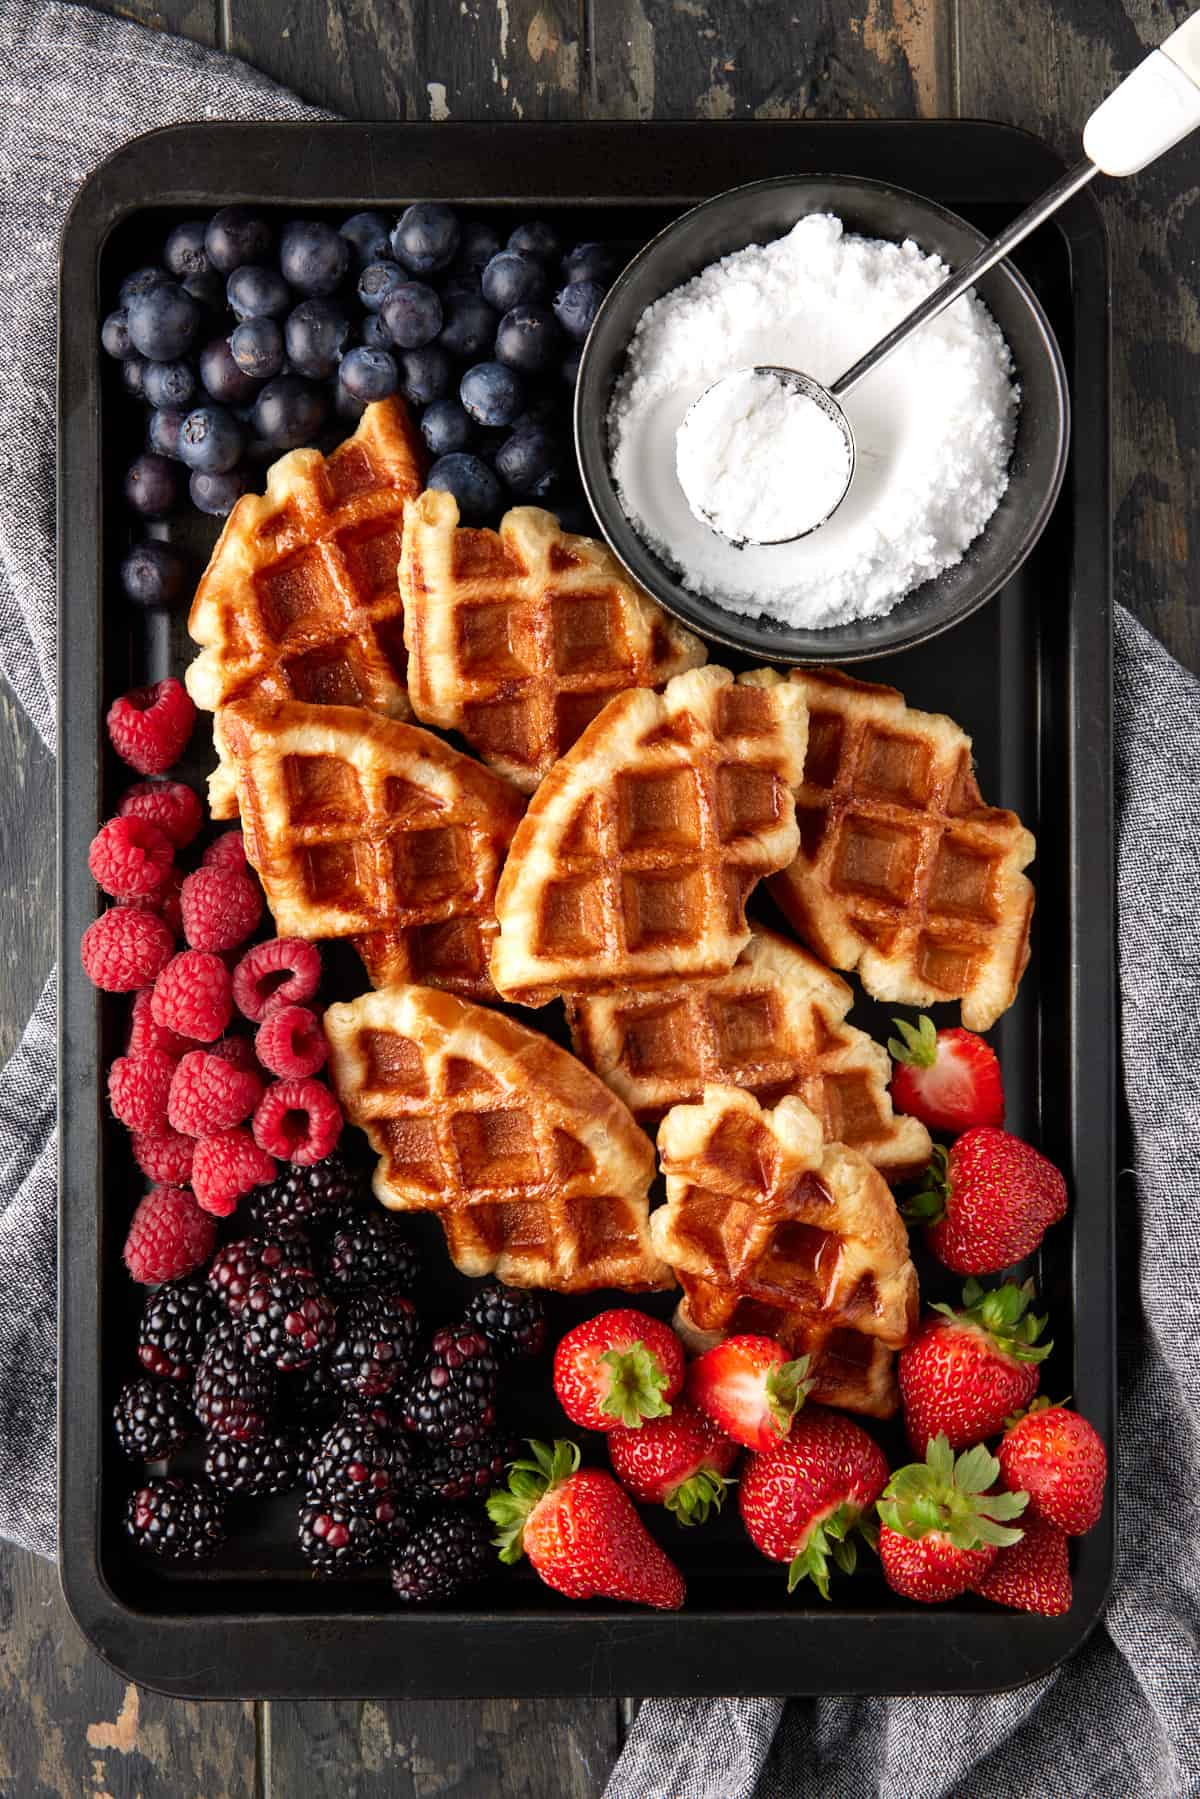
(917, 1044)
(1003, 1313)
(951, 1496)
(695, 1498)
(530, 1478)
(636, 1386)
(832, 1536)
(788, 1386)
(927, 1204)
(1041, 1404)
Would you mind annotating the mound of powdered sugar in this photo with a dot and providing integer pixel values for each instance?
(933, 426)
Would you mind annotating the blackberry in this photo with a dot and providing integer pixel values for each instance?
(310, 1397)
(513, 1319)
(303, 1195)
(384, 1414)
(452, 1399)
(179, 1520)
(356, 1465)
(174, 1322)
(449, 1472)
(232, 1396)
(234, 1268)
(286, 1320)
(151, 1420)
(376, 1344)
(336, 1539)
(370, 1249)
(270, 1464)
(447, 1553)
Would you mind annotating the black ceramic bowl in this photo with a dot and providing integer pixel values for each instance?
(759, 213)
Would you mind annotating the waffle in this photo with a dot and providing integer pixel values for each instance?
(518, 638)
(301, 599)
(903, 872)
(640, 847)
(774, 1025)
(367, 828)
(536, 1171)
(775, 1233)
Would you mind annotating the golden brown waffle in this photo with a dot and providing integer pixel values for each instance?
(363, 827)
(301, 597)
(774, 1025)
(518, 638)
(775, 1233)
(903, 872)
(640, 847)
(536, 1171)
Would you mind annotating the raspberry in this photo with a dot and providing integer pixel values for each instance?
(150, 726)
(174, 808)
(220, 908)
(299, 1121)
(283, 972)
(130, 859)
(144, 1034)
(291, 1043)
(125, 948)
(226, 851)
(227, 1165)
(138, 1087)
(168, 1236)
(208, 1095)
(193, 995)
(166, 903)
(238, 1052)
(164, 1155)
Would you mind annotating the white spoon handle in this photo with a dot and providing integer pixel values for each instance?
(1154, 107)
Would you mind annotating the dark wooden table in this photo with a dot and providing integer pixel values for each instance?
(70, 1726)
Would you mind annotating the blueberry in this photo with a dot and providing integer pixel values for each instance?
(425, 375)
(569, 366)
(114, 335)
(378, 280)
(528, 461)
(426, 237)
(368, 375)
(446, 427)
(511, 280)
(236, 235)
(141, 282)
(216, 494)
(413, 315)
(153, 574)
(528, 338)
(184, 252)
(133, 374)
(468, 326)
(537, 239)
(374, 332)
(221, 376)
(150, 485)
(577, 305)
(477, 244)
(206, 288)
(345, 405)
(473, 485)
(467, 283)
(257, 293)
(492, 394)
(591, 262)
(210, 438)
(169, 383)
(367, 232)
(313, 257)
(162, 431)
(316, 333)
(164, 322)
(289, 412)
(542, 407)
(257, 348)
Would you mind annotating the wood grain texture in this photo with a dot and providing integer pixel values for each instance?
(199, 20)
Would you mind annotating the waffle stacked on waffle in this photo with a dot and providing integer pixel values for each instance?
(903, 872)
(363, 827)
(517, 638)
(536, 1171)
(773, 1232)
(301, 598)
(640, 847)
(774, 1025)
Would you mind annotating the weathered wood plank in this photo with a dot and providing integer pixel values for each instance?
(198, 19)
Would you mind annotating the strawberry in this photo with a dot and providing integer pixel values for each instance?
(1060, 1461)
(680, 1462)
(941, 1527)
(802, 1501)
(950, 1079)
(748, 1386)
(964, 1372)
(1034, 1575)
(580, 1531)
(988, 1202)
(618, 1368)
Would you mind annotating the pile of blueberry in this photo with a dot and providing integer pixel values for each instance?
(243, 344)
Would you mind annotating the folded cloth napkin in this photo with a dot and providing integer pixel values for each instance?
(1120, 1719)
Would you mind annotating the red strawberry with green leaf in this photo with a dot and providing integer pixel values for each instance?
(804, 1501)
(750, 1388)
(987, 1202)
(948, 1079)
(941, 1527)
(1060, 1461)
(681, 1462)
(580, 1531)
(966, 1371)
(1034, 1575)
(617, 1368)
